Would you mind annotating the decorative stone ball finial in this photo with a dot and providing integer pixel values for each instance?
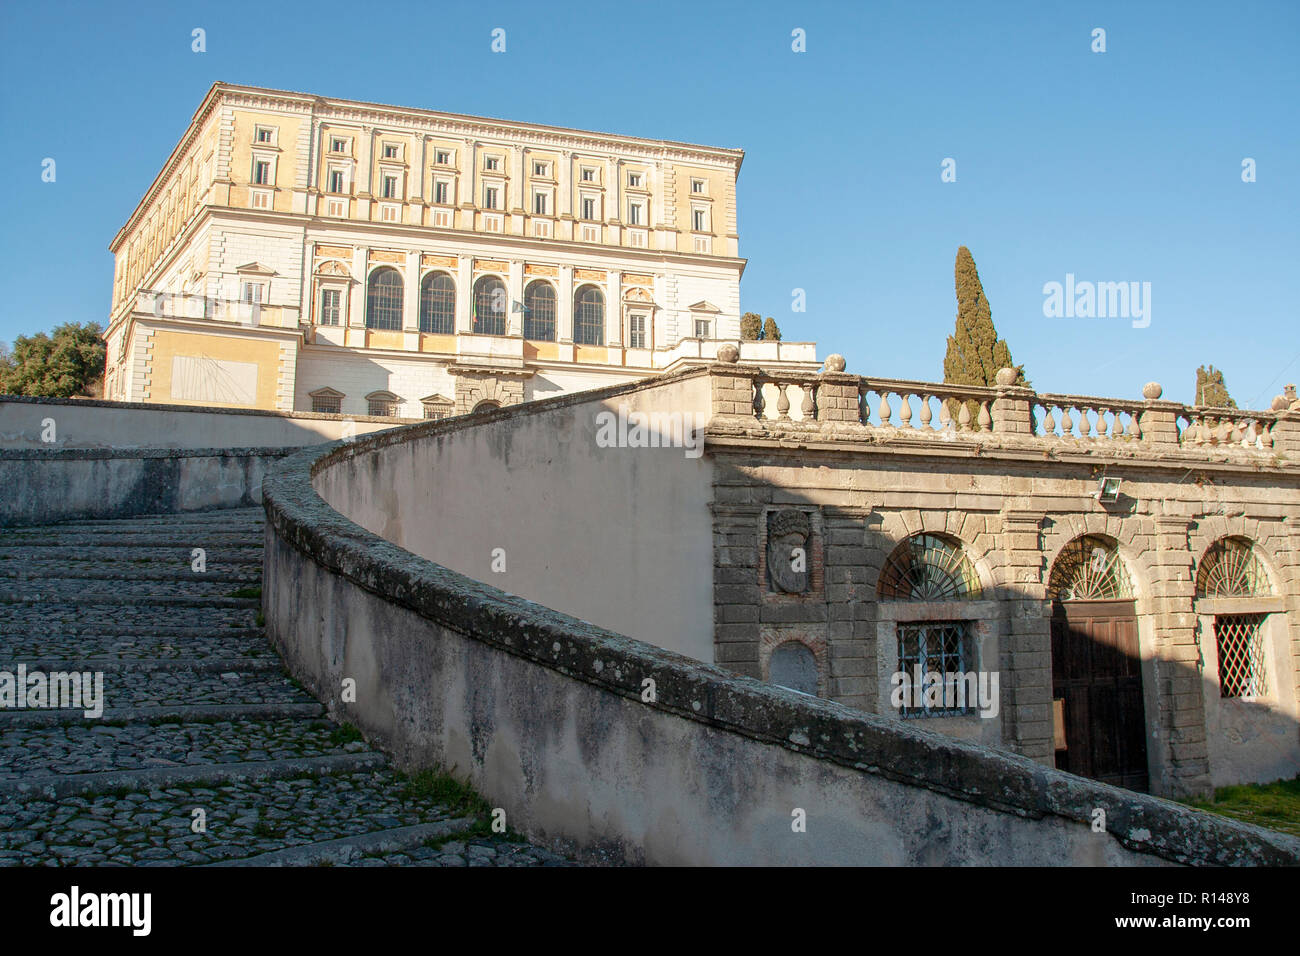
(1007, 377)
(729, 354)
(835, 362)
(1151, 391)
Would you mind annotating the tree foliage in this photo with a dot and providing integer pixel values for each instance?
(771, 331)
(751, 326)
(1210, 389)
(975, 353)
(67, 362)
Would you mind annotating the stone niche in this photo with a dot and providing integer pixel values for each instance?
(790, 554)
(794, 656)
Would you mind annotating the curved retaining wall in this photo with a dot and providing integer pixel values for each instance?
(550, 718)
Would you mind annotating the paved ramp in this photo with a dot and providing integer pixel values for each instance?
(200, 722)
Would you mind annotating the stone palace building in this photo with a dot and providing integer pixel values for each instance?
(302, 253)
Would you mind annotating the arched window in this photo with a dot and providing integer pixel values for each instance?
(1231, 568)
(384, 300)
(1089, 569)
(929, 567)
(539, 312)
(437, 304)
(490, 306)
(486, 405)
(589, 316)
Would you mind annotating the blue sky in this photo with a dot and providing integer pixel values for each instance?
(1115, 166)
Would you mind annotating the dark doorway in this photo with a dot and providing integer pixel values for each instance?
(1097, 692)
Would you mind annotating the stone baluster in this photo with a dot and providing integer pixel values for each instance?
(925, 412)
(963, 418)
(985, 419)
(945, 416)
(884, 411)
(782, 402)
(905, 411)
(807, 406)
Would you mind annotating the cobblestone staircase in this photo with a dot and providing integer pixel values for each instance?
(200, 721)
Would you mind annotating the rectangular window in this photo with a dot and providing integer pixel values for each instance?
(588, 174)
(251, 292)
(330, 304)
(1241, 655)
(697, 186)
(492, 162)
(442, 157)
(590, 234)
(441, 192)
(336, 181)
(588, 208)
(442, 218)
(265, 134)
(701, 328)
(704, 244)
(382, 409)
(541, 169)
(436, 410)
(390, 213)
(338, 145)
(489, 197)
(700, 220)
(262, 173)
(390, 187)
(636, 331)
(539, 204)
(634, 214)
(542, 229)
(390, 151)
(260, 199)
(327, 404)
(939, 647)
(336, 208)
(634, 180)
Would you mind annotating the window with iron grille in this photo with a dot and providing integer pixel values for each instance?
(589, 316)
(382, 408)
(327, 404)
(437, 304)
(489, 306)
(436, 410)
(384, 300)
(940, 647)
(1240, 640)
(539, 312)
(636, 331)
(928, 567)
(330, 300)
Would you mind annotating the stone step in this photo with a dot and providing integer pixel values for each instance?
(174, 555)
(194, 644)
(48, 539)
(26, 586)
(244, 817)
(11, 720)
(235, 516)
(176, 685)
(97, 748)
(52, 597)
(49, 617)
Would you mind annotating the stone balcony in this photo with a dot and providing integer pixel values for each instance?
(750, 403)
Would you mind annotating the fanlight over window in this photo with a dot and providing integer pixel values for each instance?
(929, 567)
(1231, 568)
(1089, 569)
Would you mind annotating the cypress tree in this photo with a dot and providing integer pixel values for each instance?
(771, 331)
(751, 326)
(975, 353)
(1210, 389)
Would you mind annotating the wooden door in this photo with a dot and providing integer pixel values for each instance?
(1097, 678)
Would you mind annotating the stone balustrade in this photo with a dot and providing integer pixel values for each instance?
(835, 400)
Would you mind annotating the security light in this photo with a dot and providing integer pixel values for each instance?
(1108, 490)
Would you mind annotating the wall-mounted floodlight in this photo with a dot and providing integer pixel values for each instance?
(1108, 490)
